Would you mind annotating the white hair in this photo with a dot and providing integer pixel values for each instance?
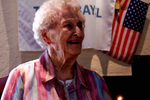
(49, 13)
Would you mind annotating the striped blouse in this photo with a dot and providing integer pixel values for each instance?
(36, 80)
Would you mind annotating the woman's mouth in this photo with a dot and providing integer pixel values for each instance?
(73, 42)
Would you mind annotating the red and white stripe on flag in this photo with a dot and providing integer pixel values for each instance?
(127, 29)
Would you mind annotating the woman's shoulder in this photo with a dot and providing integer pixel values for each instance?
(29, 63)
(99, 82)
(89, 72)
(20, 69)
(93, 73)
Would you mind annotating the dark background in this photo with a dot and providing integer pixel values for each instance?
(135, 87)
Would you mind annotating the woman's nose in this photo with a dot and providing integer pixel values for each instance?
(78, 32)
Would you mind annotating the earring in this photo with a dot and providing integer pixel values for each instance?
(48, 43)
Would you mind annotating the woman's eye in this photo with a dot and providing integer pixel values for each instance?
(68, 26)
(79, 24)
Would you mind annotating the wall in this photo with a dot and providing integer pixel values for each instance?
(10, 56)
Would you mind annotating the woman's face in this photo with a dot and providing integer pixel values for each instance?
(69, 34)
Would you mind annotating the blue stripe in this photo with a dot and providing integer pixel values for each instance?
(31, 84)
(101, 84)
(16, 90)
(71, 96)
(48, 91)
(98, 86)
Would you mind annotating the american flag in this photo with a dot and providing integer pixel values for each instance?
(127, 29)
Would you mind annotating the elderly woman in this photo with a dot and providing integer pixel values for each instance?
(59, 27)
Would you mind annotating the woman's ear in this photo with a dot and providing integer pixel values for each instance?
(44, 35)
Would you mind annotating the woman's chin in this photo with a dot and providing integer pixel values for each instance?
(75, 52)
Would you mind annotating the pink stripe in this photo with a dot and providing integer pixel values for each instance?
(12, 79)
(88, 95)
(93, 94)
(41, 87)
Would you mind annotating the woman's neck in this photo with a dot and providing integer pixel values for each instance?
(64, 71)
(63, 66)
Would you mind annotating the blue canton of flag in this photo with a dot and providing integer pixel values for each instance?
(135, 16)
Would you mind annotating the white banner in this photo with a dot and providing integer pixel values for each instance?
(98, 27)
